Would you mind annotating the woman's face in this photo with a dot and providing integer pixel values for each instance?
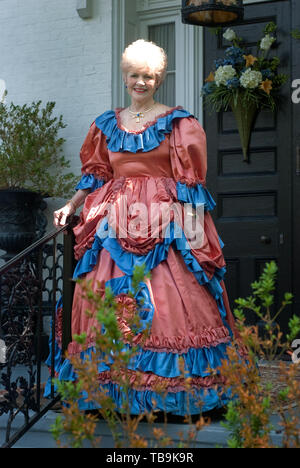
(141, 84)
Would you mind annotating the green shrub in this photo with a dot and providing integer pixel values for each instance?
(31, 150)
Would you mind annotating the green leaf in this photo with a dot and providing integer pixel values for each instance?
(80, 339)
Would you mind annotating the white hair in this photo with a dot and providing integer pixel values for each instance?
(145, 54)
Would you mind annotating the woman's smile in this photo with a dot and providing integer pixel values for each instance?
(140, 90)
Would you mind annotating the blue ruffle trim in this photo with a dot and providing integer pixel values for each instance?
(119, 140)
(196, 364)
(179, 403)
(89, 181)
(197, 195)
(89, 259)
(197, 361)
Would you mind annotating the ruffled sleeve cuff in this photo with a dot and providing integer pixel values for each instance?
(195, 195)
(89, 181)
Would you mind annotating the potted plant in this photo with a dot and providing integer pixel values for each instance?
(244, 82)
(32, 167)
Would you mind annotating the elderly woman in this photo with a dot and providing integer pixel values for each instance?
(143, 180)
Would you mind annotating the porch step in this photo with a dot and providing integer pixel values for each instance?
(39, 436)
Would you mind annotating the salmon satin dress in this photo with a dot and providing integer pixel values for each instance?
(184, 304)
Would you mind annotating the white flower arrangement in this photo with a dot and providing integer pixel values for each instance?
(244, 82)
(239, 73)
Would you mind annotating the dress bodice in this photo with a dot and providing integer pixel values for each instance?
(154, 163)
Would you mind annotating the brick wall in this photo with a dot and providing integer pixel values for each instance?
(48, 52)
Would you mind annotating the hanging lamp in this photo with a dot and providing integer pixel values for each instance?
(212, 13)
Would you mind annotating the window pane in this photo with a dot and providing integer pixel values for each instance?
(164, 36)
(166, 93)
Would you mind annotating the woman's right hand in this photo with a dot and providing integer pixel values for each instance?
(60, 216)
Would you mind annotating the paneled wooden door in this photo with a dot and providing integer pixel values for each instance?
(254, 214)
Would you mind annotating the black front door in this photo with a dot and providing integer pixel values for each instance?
(254, 214)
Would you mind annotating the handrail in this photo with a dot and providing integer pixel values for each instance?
(69, 266)
(39, 243)
(11, 405)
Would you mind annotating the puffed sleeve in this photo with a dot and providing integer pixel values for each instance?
(189, 162)
(189, 166)
(96, 169)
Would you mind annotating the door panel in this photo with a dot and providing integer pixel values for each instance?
(254, 200)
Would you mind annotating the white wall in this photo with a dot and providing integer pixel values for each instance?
(48, 52)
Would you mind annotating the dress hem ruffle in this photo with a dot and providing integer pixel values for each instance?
(176, 344)
(175, 403)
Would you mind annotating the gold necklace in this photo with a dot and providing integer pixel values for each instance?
(140, 115)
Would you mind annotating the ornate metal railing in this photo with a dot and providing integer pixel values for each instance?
(30, 285)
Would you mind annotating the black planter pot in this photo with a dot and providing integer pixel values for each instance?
(20, 217)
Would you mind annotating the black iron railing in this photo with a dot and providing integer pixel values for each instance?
(29, 290)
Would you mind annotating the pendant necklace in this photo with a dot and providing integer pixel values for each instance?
(140, 115)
